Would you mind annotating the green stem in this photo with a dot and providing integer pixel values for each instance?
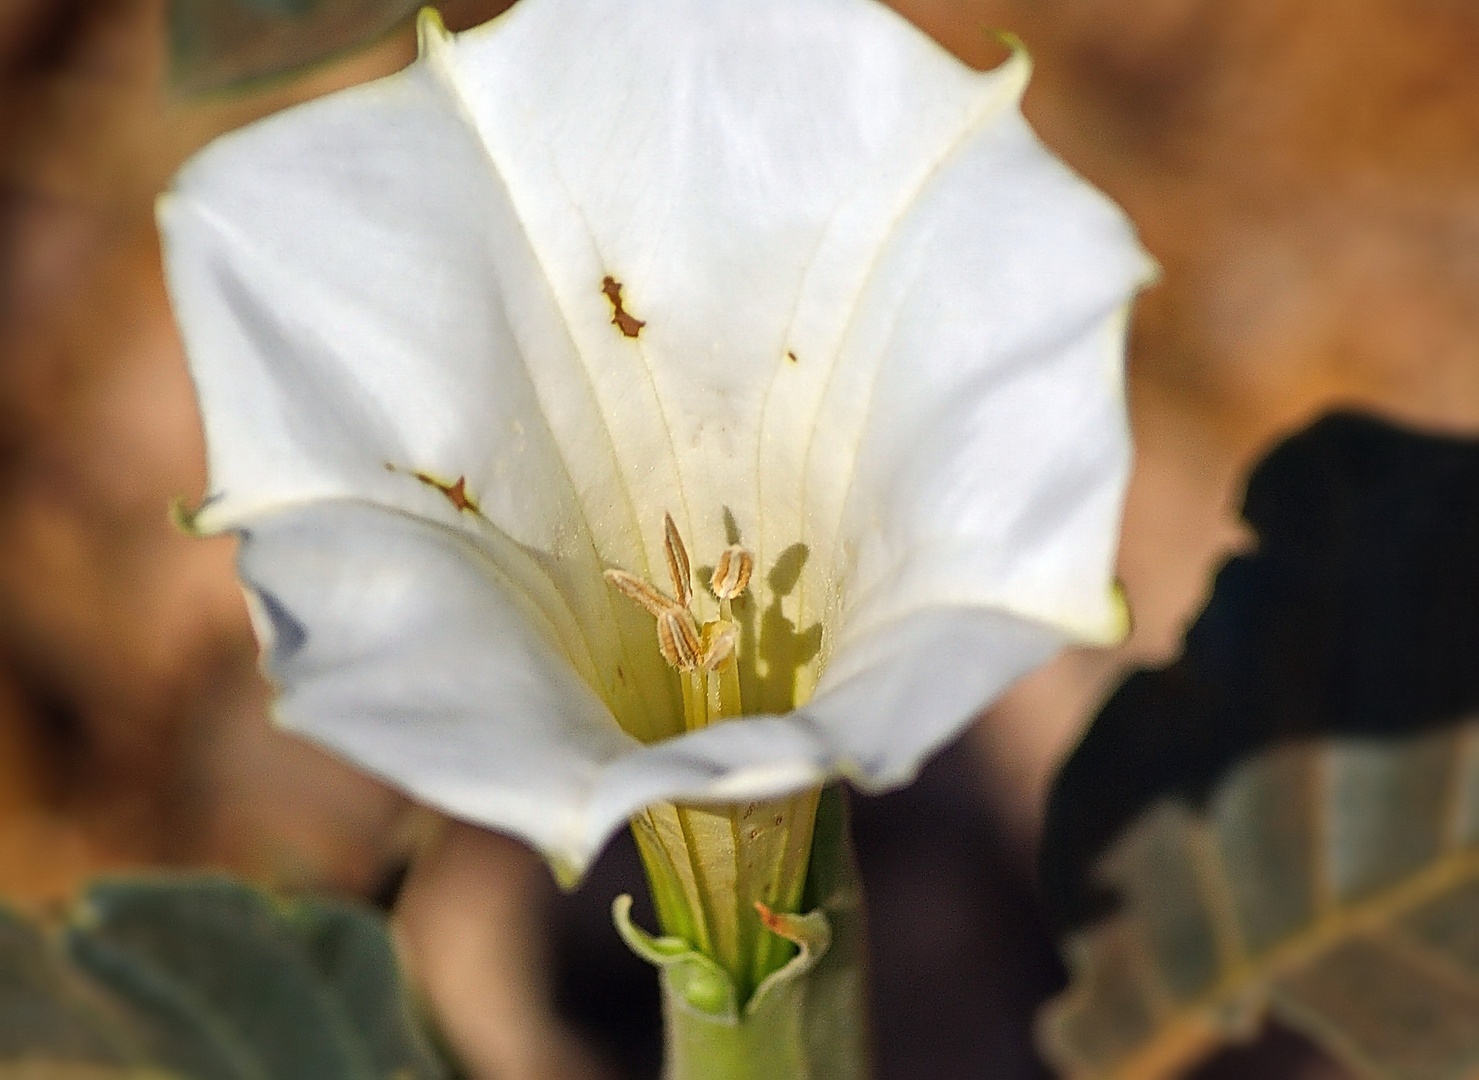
(768, 1043)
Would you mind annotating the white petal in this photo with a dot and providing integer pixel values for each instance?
(739, 166)
(881, 331)
(980, 400)
(412, 272)
(346, 278)
(397, 643)
(834, 231)
(358, 302)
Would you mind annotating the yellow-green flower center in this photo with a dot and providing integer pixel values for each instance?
(710, 865)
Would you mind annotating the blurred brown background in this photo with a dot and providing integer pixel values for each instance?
(1307, 174)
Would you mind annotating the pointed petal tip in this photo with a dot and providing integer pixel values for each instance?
(1021, 55)
(568, 875)
(163, 206)
(431, 32)
(184, 517)
(1019, 65)
(1124, 615)
(1111, 627)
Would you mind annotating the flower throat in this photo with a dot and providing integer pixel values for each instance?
(705, 657)
(714, 869)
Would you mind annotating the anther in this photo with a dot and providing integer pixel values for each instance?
(678, 640)
(732, 573)
(678, 568)
(638, 591)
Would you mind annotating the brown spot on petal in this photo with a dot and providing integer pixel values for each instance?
(792, 357)
(622, 319)
(456, 493)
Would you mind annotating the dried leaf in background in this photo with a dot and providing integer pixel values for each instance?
(1307, 176)
(1334, 883)
(1331, 878)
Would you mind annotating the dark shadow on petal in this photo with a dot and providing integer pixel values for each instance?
(289, 634)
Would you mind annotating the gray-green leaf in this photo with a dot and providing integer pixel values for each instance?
(1333, 883)
(216, 44)
(211, 980)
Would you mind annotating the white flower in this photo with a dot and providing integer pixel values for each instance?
(781, 268)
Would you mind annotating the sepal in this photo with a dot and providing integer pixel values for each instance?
(688, 975)
(810, 933)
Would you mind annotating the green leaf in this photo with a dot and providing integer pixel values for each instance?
(220, 44)
(52, 1070)
(207, 979)
(1356, 613)
(45, 1011)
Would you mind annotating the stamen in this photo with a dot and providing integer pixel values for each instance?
(678, 640)
(707, 658)
(732, 573)
(719, 640)
(677, 562)
(635, 589)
